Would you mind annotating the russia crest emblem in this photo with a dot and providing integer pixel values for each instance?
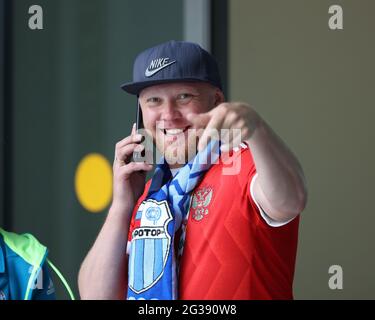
(201, 199)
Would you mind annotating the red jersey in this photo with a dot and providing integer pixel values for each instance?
(230, 251)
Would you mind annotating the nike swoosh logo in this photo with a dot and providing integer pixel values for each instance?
(149, 73)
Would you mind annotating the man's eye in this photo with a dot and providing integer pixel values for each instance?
(153, 100)
(184, 96)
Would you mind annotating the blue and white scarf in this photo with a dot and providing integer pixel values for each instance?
(152, 259)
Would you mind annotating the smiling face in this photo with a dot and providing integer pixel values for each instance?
(164, 109)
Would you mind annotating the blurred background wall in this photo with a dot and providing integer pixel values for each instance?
(67, 103)
(61, 101)
(315, 87)
(2, 101)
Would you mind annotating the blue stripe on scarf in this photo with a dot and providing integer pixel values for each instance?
(158, 261)
(138, 264)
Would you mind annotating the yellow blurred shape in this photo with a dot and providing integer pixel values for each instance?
(93, 182)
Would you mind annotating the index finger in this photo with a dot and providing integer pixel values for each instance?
(133, 138)
(199, 120)
(211, 131)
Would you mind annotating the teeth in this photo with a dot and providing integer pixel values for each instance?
(173, 131)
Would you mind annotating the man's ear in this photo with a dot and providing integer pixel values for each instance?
(219, 97)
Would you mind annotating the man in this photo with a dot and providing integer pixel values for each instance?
(218, 224)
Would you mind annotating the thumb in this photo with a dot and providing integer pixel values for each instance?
(199, 120)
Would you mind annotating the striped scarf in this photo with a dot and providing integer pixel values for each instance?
(152, 257)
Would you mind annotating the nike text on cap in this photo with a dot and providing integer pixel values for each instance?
(173, 61)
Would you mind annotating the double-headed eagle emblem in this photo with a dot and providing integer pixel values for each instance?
(201, 199)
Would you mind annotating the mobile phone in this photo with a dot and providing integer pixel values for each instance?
(137, 156)
(139, 121)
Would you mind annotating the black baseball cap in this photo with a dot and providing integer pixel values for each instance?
(173, 61)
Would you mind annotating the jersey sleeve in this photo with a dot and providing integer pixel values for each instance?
(262, 213)
(44, 289)
(247, 178)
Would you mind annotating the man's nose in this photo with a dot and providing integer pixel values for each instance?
(170, 111)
